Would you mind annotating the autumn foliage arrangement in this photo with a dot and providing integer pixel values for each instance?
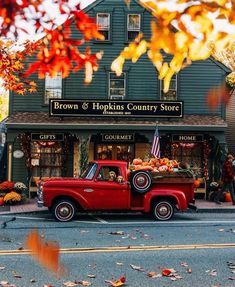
(11, 193)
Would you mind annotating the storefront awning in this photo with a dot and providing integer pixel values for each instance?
(41, 120)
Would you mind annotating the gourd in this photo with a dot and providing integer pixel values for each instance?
(227, 197)
(197, 183)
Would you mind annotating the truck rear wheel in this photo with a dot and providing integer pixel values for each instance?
(64, 210)
(141, 181)
(163, 210)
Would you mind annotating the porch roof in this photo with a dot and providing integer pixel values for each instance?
(41, 120)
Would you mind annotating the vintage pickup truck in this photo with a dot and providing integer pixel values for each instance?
(108, 185)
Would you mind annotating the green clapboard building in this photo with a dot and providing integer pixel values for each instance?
(55, 131)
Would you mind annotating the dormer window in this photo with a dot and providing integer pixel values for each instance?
(133, 26)
(103, 24)
(53, 87)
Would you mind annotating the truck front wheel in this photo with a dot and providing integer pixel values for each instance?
(163, 210)
(64, 210)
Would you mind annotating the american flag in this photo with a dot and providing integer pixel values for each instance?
(156, 144)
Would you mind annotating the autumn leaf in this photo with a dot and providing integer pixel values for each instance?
(120, 282)
(138, 268)
(46, 253)
(166, 272)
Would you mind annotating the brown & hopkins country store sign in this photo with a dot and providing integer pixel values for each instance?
(137, 109)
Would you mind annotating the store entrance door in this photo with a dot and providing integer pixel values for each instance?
(115, 152)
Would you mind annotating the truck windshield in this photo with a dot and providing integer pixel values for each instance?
(89, 171)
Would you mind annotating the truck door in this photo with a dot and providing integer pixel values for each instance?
(105, 192)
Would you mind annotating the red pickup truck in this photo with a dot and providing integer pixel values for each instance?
(108, 185)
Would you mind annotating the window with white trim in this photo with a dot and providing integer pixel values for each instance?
(171, 95)
(103, 24)
(53, 87)
(133, 26)
(117, 86)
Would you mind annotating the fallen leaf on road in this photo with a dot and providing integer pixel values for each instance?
(91, 276)
(84, 283)
(117, 232)
(212, 272)
(152, 274)
(189, 270)
(120, 282)
(231, 278)
(138, 268)
(70, 284)
(166, 272)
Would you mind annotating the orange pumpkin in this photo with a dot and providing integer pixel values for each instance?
(1, 201)
(227, 197)
(197, 183)
(137, 161)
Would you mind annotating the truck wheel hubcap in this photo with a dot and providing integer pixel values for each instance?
(64, 211)
(163, 210)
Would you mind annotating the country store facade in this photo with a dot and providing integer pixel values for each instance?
(55, 131)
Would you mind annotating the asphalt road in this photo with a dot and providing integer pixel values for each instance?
(99, 247)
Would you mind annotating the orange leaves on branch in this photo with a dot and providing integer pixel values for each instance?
(58, 50)
(188, 42)
(11, 66)
(46, 253)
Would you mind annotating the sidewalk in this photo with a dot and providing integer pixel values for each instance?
(31, 206)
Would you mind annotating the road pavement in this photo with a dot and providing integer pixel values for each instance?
(100, 247)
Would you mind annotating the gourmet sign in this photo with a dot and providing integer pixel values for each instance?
(66, 108)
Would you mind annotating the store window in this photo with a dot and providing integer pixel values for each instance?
(103, 23)
(190, 154)
(115, 151)
(171, 95)
(133, 26)
(53, 87)
(117, 86)
(46, 159)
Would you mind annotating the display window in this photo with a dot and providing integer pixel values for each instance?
(46, 159)
(190, 154)
(115, 152)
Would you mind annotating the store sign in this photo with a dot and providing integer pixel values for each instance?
(187, 138)
(47, 137)
(121, 137)
(73, 108)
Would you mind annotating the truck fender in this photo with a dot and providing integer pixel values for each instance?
(176, 196)
(76, 197)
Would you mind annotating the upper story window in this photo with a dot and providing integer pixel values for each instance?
(133, 26)
(103, 23)
(171, 95)
(117, 86)
(53, 87)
